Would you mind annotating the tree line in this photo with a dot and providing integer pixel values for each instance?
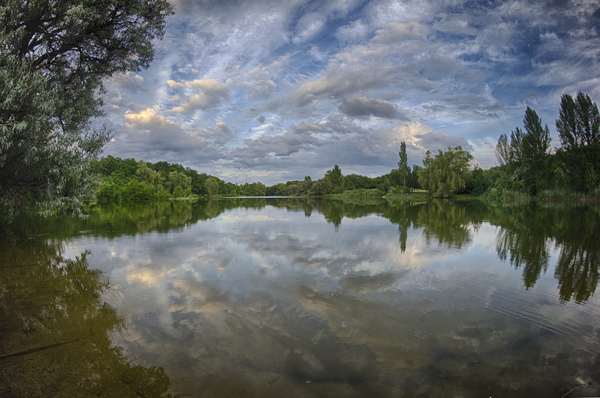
(527, 167)
(131, 179)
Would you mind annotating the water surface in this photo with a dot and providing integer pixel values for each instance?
(289, 297)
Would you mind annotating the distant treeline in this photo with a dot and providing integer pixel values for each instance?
(131, 179)
(528, 167)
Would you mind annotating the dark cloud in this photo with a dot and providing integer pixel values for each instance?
(439, 140)
(362, 106)
(340, 81)
(289, 143)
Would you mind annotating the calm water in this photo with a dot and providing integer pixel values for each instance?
(296, 298)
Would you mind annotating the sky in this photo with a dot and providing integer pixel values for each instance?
(273, 91)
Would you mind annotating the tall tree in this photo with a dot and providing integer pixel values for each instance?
(535, 156)
(54, 56)
(334, 175)
(503, 151)
(578, 127)
(403, 167)
(446, 172)
(524, 161)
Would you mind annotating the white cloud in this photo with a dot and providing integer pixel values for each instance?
(147, 118)
(205, 94)
(398, 31)
(308, 27)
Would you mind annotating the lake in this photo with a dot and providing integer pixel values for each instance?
(271, 297)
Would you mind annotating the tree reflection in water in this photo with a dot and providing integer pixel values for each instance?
(531, 230)
(528, 230)
(56, 330)
(528, 233)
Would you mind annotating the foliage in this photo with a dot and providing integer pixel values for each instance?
(53, 59)
(38, 162)
(525, 160)
(212, 186)
(446, 172)
(578, 127)
(254, 189)
(152, 180)
(403, 168)
(146, 175)
(179, 184)
(334, 175)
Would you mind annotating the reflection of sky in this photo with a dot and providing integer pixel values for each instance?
(268, 301)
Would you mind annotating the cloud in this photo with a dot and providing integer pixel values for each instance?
(362, 106)
(398, 31)
(308, 27)
(353, 32)
(205, 94)
(440, 140)
(258, 83)
(174, 84)
(341, 81)
(147, 118)
(267, 88)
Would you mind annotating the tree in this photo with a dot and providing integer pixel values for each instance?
(524, 162)
(335, 175)
(535, 156)
(211, 186)
(503, 151)
(147, 175)
(403, 167)
(446, 173)
(54, 56)
(180, 183)
(578, 127)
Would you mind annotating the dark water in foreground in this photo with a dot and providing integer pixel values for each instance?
(286, 297)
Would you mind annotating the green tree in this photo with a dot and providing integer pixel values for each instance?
(146, 175)
(179, 183)
(535, 156)
(446, 172)
(525, 161)
(211, 186)
(403, 167)
(335, 175)
(503, 151)
(578, 127)
(54, 56)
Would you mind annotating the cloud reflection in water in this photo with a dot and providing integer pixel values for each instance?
(268, 302)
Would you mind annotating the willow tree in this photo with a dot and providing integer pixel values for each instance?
(446, 172)
(54, 58)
